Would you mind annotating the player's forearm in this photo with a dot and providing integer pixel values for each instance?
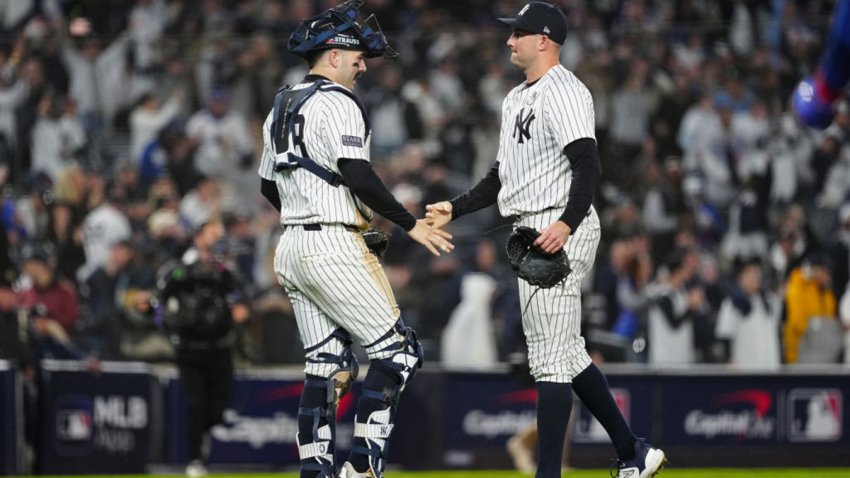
(269, 191)
(586, 173)
(368, 187)
(480, 196)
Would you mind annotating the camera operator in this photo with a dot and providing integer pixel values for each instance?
(202, 301)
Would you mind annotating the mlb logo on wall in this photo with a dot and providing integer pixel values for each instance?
(814, 415)
(74, 425)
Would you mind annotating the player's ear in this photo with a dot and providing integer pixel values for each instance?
(334, 57)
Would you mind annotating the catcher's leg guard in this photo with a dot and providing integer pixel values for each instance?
(331, 368)
(396, 358)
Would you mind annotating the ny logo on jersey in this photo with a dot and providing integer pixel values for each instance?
(523, 125)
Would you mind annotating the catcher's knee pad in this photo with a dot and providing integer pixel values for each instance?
(332, 359)
(335, 369)
(398, 350)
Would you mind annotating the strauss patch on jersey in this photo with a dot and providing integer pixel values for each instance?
(354, 141)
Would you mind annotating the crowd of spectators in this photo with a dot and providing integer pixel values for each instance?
(125, 124)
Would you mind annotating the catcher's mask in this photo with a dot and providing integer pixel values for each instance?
(341, 27)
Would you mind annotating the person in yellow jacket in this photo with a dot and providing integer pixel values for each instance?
(808, 294)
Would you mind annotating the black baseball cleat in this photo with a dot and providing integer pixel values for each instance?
(647, 462)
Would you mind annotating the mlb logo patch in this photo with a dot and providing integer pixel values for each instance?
(74, 425)
(815, 415)
(353, 141)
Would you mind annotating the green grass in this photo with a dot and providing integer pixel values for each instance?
(667, 473)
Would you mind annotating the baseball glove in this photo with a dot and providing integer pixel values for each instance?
(533, 265)
(377, 241)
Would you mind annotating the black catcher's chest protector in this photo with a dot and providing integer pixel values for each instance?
(288, 122)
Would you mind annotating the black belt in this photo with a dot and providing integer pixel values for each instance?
(517, 217)
(318, 227)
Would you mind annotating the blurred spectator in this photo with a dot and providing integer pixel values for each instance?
(12, 345)
(749, 320)
(631, 296)
(663, 203)
(148, 118)
(469, 339)
(844, 314)
(241, 245)
(674, 305)
(811, 332)
(55, 298)
(606, 279)
(13, 92)
(121, 322)
(99, 77)
(202, 202)
(58, 137)
(32, 212)
(225, 144)
(395, 120)
(103, 226)
(839, 252)
(65, 234)
(147, 22)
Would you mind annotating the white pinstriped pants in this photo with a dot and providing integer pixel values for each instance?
(552, 320)
(334, 281)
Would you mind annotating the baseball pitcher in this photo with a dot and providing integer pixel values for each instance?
(546, 172)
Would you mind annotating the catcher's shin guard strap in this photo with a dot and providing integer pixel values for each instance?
(371, 439)
(367, 430)
(318, 447)
(317, 458)
(316, 428)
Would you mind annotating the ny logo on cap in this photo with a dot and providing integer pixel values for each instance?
(524, 9)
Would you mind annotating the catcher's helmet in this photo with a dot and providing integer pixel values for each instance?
(341, 27)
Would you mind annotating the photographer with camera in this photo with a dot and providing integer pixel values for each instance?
(202, 302)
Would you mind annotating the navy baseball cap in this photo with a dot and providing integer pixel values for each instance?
(541, 18)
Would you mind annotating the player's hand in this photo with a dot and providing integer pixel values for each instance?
(810, 107)
(553, 237)
(434, 239)
(439, 214)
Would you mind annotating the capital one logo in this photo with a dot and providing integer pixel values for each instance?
(815, 415)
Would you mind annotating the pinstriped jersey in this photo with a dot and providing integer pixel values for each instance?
(538, 122)
(329, 125)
